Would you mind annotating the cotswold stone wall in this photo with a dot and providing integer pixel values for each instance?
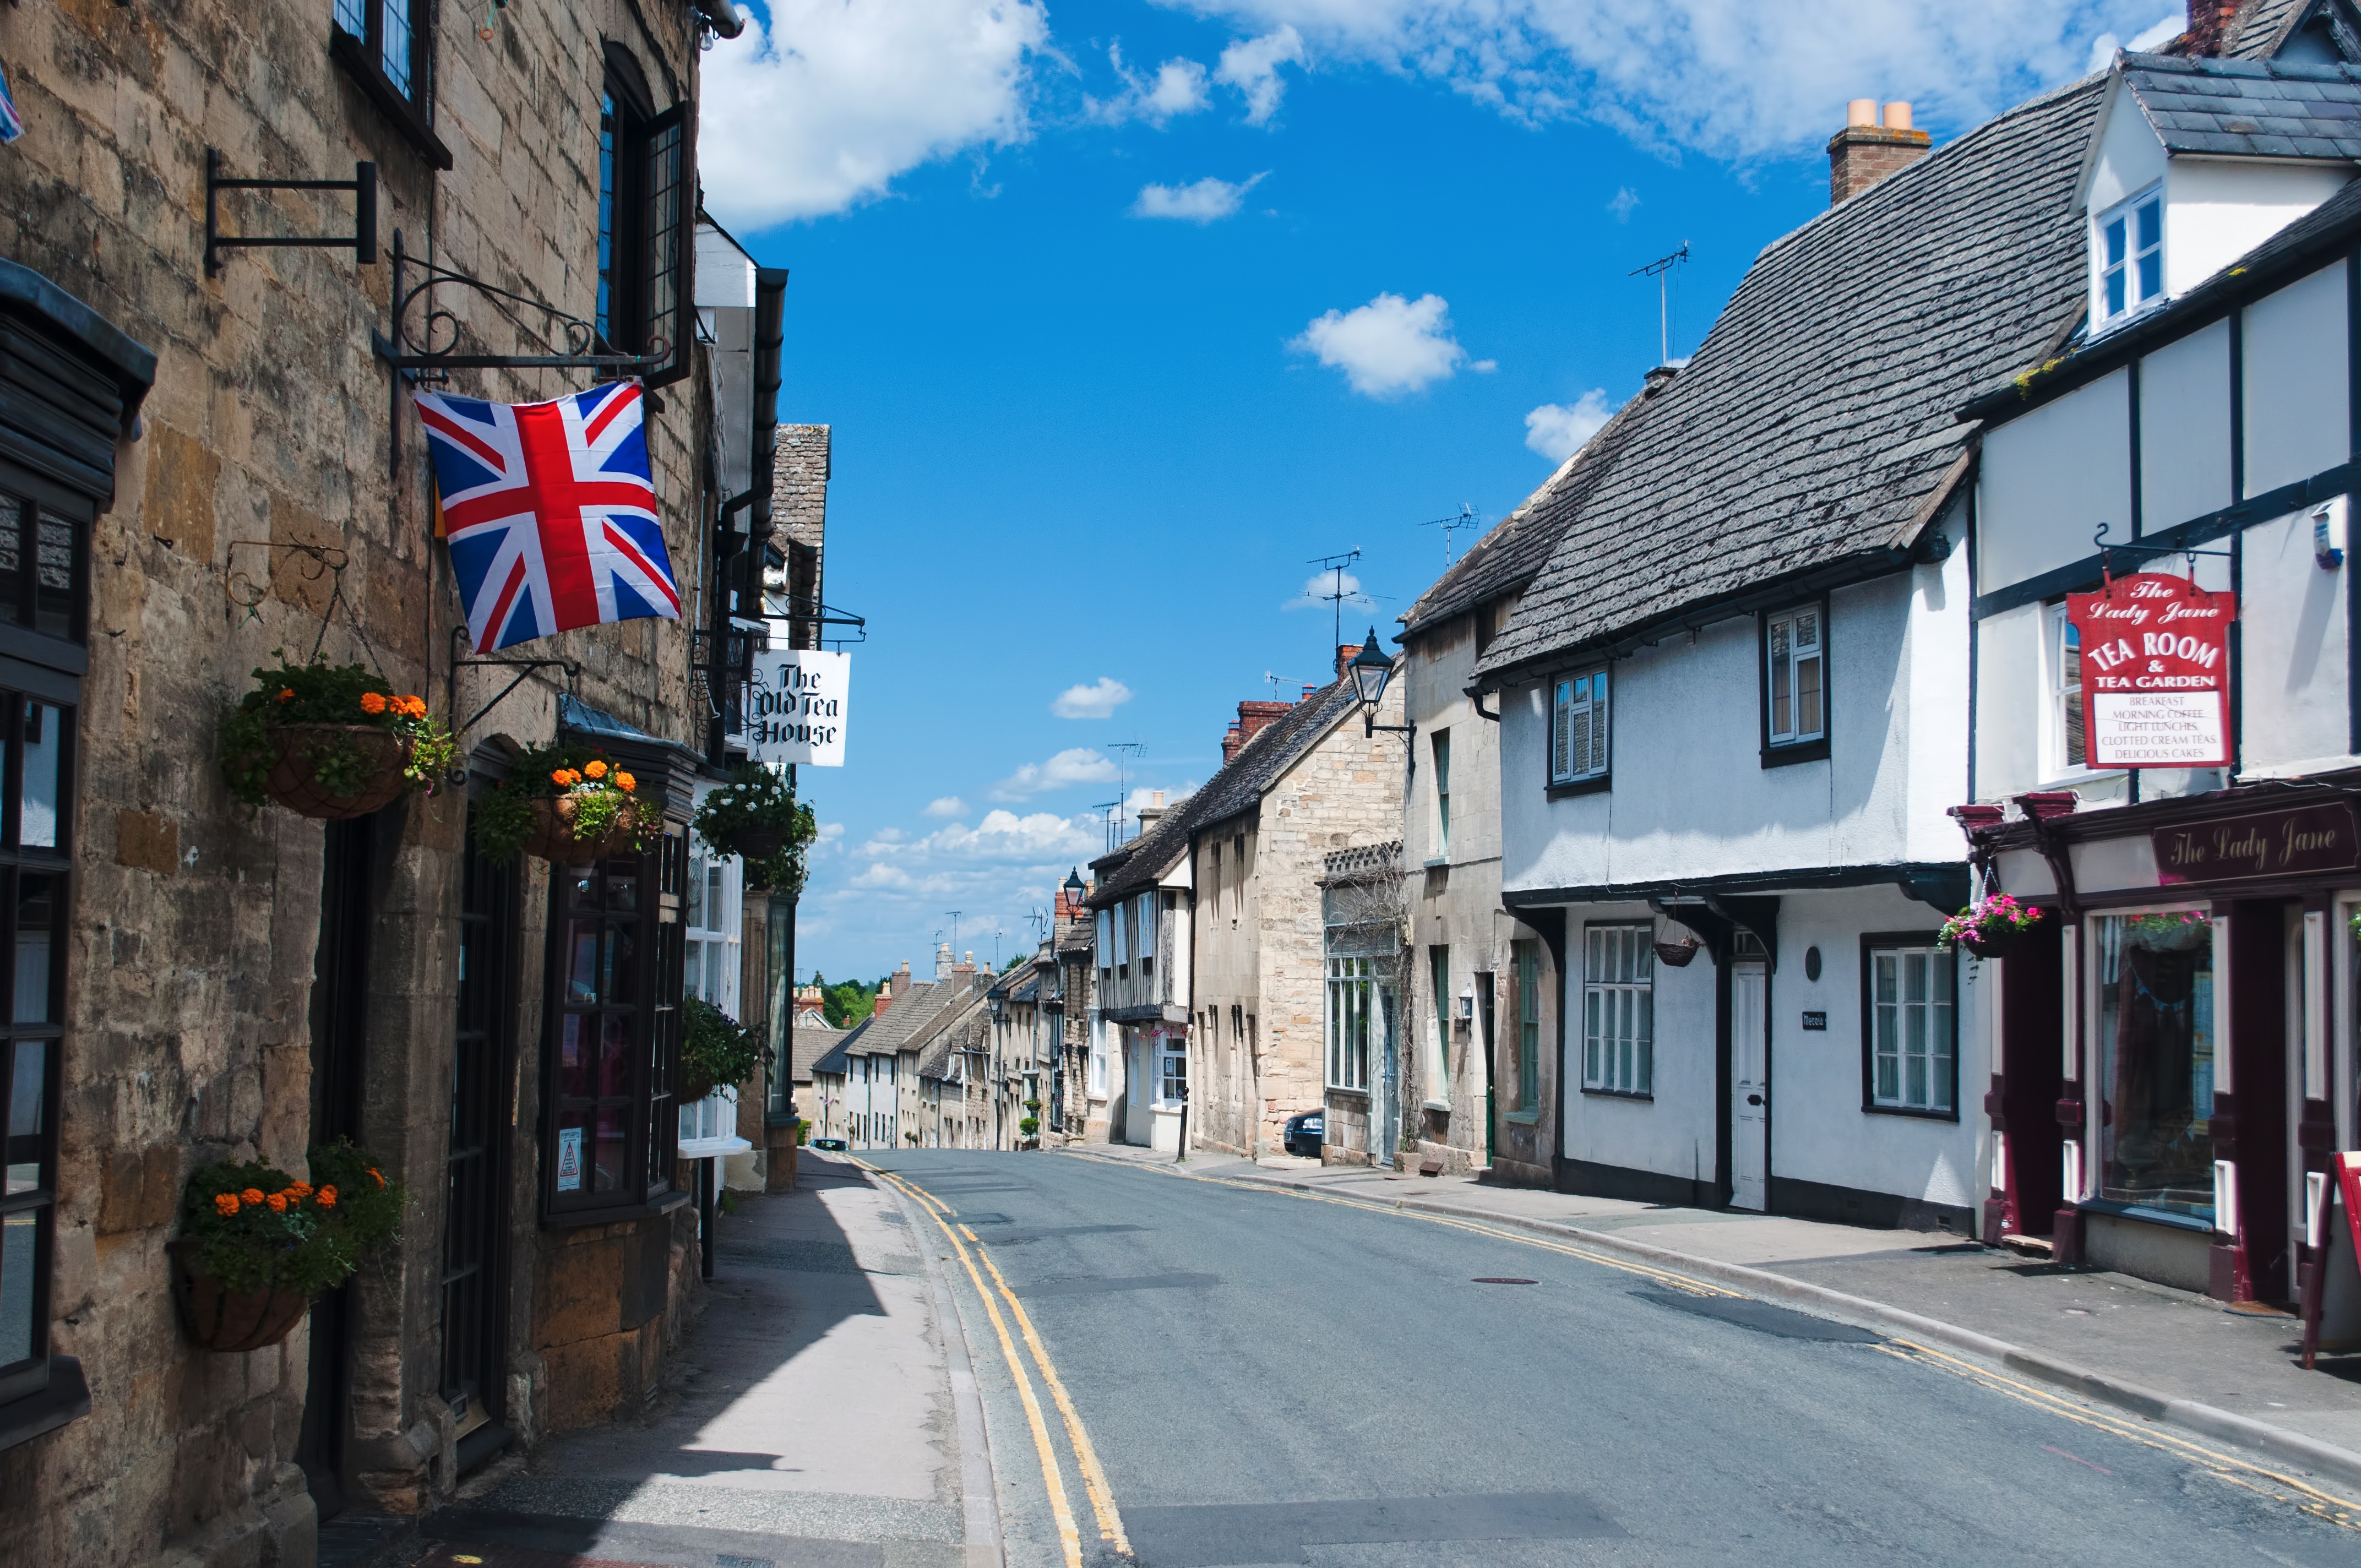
(195, 924)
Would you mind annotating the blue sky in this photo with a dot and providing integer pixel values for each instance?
(1124, 312)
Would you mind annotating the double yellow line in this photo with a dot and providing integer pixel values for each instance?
(1086, 1459)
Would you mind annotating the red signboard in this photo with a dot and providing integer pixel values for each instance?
(2295, 842)
(2155, 672)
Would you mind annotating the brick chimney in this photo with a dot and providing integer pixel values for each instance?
(1870, 147)
(902, 978)
(1231, 741)
(884, 999)
(810, 1002)
(2209, 26)
(1346, 654)
(1253, 716)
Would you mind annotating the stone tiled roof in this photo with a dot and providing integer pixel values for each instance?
(1367, 862)
(2248, 108)
(1241, 782)
(812, 1040)
(1812, 436)
(1505, 559)
(2261, 28)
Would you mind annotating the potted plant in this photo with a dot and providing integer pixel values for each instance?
(1991, 930)
(716, 1050)
(565, 803)
(256, 1246)
(329, 741)
(755, 817)
(1028, 1126)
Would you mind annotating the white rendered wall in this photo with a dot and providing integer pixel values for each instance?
(2295, 378)
(2128, 159)
(2216, 210)
(2012, 702)
(2185, 429)
(2292, 649)
(2049, 478)
(1674, 1133)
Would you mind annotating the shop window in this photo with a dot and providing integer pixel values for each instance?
(2155, 1061)
(647, 187)
(615, 1022)
(1618, 1009)
(1352, 1006)
(1910, 1023)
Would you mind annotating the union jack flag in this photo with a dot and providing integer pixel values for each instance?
(550, 512)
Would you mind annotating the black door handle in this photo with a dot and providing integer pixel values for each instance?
(1755, 1100)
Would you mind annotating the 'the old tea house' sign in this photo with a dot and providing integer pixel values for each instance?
(796, 713)
(2155, 672)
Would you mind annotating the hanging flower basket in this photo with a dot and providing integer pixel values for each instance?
(757, 818)
(256, 1246)
(716, 1050)
(330, 741)
(2180, 932)
(564, 804)
(1994, 928)
(1677, 955)
(759, 843)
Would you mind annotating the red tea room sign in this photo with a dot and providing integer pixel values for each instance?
(2155, 672)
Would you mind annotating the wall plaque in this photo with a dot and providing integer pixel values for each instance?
(1816, 1020)
(2294, 841)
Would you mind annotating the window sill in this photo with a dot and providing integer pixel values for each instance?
(1910, 1113)
(2146, 1215)
(1579, 786)
(1521, 1118)
(1801, 752)
(575, 1218)
(65, 1399)
(400, 112)
(1648, 1097)
(1441, 1105)
(1349, 1093)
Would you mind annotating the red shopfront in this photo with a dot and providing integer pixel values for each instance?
(2174, 1051)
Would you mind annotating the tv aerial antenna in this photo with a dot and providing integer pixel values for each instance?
(1111, 808)
(1123, 750)
(1660, 271)
(1467, 517)
(1336, 595)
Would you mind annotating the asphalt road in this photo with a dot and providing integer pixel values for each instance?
(1263, 1377)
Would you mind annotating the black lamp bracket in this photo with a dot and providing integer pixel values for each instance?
(1370, 727)
(361, 242)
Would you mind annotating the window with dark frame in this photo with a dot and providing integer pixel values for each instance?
(387, 47)
(647, 187)
(1795, 684)
(1528, 962)
(1909, 1025)
(1578, 741)
(44, 548)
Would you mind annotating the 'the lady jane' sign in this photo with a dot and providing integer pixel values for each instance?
(796, 714)
(2155, 672)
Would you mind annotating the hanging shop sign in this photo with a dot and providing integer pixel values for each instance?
(796, 713)
(2304, 840)
(2155, 672)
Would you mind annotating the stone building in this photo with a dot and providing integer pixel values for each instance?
(216, 464)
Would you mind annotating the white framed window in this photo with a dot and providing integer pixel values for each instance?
(1578, 727)
(1122, 954)
(1618, 1009)
(1098, 1057)
(1795, 654)
(1443, 794)
(1913, 1029)
(1172, 1082)
(2063, 676)
(2129, 251)
(1143, 936)
(1352, 1009)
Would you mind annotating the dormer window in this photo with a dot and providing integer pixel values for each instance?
(2131, 256)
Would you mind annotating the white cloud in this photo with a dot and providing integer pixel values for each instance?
(1076, 764)
(825, 106)
(1146, 796)
(879, 874)
(1387, 348)
(1625, 200)
(1251, 65)
(1178, 88)
(1710, 76)
(1002, 836)
(2103, 47)
(1097, 700)
(1321, 588)
(947, 805)
(1557, 431)
(1201, 202)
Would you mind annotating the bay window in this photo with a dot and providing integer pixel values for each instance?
(2155, 1059)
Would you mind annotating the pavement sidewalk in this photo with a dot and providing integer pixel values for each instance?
(809, 1418)
(2161, 1353)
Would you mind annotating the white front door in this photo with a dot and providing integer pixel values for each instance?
(1749, 1087)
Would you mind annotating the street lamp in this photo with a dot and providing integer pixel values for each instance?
(1074, 891)
(1371, 670)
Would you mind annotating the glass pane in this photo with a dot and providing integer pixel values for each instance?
(2115, 233)
(394, 54)
(2115, 292)
(1887, 986)
(693, 906)
(17, 1249)
(1782, 700)
(36, 823)
(608, 130)
(1807, 695)
(607, 1158)
(622, 974)
(2151, 275)
(1889, 1079)
(25, 1103)
(582, 971)
(582, 884)
(353, 17)
(53, 577)
(35, 910)
(623, 884)
(2151, 225)
(2156, 1060)
(574, 1052)
(1808, 631)
(12, 568)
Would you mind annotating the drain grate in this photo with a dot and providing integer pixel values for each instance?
(1501, 1280)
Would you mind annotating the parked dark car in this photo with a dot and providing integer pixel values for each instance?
(833, 1146)
(1304, 1133)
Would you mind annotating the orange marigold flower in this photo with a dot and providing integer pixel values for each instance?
(287, 694)
(278, 1201)
(327, 1197)
(252, 1195)
(224, 1203)
(372, 702)
(380, 1181)
(300, 1189)
(627, 780)
(558, 777)
(416, 707)
(596, 770)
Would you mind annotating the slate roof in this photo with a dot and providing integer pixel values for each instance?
(810, 1041)
(1259, 765)
(1812, 436)
(835, 1061)
(1506, 558)
(2248, 108)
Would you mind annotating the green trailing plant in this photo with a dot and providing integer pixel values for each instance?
(602, 792)
(259, 1229)
(331, 695)
(1029, 1125)
(1996, 916)
(757, 817)
(716, 1050)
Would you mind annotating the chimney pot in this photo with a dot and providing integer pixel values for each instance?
(1897, 117)
(1865, 152)
(1861, 111)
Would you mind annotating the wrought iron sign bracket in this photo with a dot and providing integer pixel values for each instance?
(433, 352)
(523, 668)
(2099, 538)
(361, 242)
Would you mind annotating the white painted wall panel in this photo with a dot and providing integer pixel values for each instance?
(2215, 211)
(1672, 1135)
(2185, 429)
(2011, 709)
(2129, 157)
(1932, 699)
(2048, 478)
(2296, 381)
(2293, 660)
